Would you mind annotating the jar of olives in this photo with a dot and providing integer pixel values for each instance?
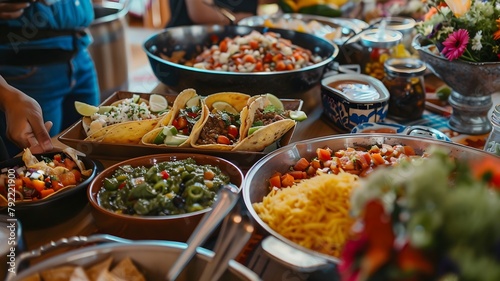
(404, 79)
(377, 44)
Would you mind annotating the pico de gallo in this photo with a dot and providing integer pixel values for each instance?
(40, 179)
(255, 52)
(359, 161)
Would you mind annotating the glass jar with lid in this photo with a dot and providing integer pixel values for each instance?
(405, 25)
(377, 44)
(404, 79)
(493, 142)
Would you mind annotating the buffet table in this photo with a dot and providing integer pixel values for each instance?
(316, 125)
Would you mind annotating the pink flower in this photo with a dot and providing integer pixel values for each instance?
(455, 44)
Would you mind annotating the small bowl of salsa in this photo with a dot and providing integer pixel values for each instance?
(352, 99)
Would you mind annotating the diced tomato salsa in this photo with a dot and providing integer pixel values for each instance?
(255, 52)
(359, 161)
(34, 184)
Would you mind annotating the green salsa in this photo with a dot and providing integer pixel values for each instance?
(166, 188)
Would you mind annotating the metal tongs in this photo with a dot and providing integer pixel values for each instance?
(235, 232)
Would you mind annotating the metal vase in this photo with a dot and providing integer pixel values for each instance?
(472, 84)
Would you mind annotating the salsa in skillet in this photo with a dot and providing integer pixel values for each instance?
(166, 188)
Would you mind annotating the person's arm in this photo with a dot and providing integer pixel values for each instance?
(201, 13)
(12, 10)
(24, 118)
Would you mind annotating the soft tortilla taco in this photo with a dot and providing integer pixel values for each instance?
(266, 122)
(222, 128)
(130, 132)
(119, 112)
(175, 129)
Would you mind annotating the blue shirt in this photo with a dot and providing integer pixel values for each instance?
(62, 15)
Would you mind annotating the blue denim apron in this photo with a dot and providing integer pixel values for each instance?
(56, 86)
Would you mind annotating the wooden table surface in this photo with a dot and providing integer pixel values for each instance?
(83, 225)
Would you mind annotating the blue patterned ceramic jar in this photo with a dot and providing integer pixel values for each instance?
(352, 99)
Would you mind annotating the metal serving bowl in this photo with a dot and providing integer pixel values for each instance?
(192, 39)
(171, 227)
(256, 186)
(153, 258)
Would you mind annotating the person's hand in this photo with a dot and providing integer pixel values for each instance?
(25, 126)
(12, 10)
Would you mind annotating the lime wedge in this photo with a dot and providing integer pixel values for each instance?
(166, 132)
(274, 100)
(157, 103)
(135, 98)
(105, 108)
(253, 129)
(224, 106)
(194, 101)
(298, 115)
(85, 109)
(443, 92)
(169, 130)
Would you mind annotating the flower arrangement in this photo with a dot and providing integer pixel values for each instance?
(463, 29)
(432, 218)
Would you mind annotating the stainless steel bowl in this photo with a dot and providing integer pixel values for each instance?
(255, 185)
(153, 258)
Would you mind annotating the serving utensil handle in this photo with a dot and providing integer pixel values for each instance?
(226, 199)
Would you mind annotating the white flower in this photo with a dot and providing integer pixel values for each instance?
(476, 41)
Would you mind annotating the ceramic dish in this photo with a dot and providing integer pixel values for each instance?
(55, 209)
(165, 227)
(388, 128)
(366, 102)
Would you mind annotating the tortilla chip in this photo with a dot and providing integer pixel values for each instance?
(96, 270)
(79, 275)
(28, 158)
(108, 276)
(73, 154)
(61, 273)
(126, 270)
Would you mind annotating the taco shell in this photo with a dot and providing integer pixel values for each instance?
(130, 132)
(264, 136)
(180, 103)
(90, 129)
(237, 101)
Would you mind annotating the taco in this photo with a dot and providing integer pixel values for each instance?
(266, 122)
(174, 129)
(119, 112)
(130, 132)
(222, 128)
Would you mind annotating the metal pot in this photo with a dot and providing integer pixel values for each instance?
(108, 48)
(255, 187)
(154, 258)
(192, 39)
